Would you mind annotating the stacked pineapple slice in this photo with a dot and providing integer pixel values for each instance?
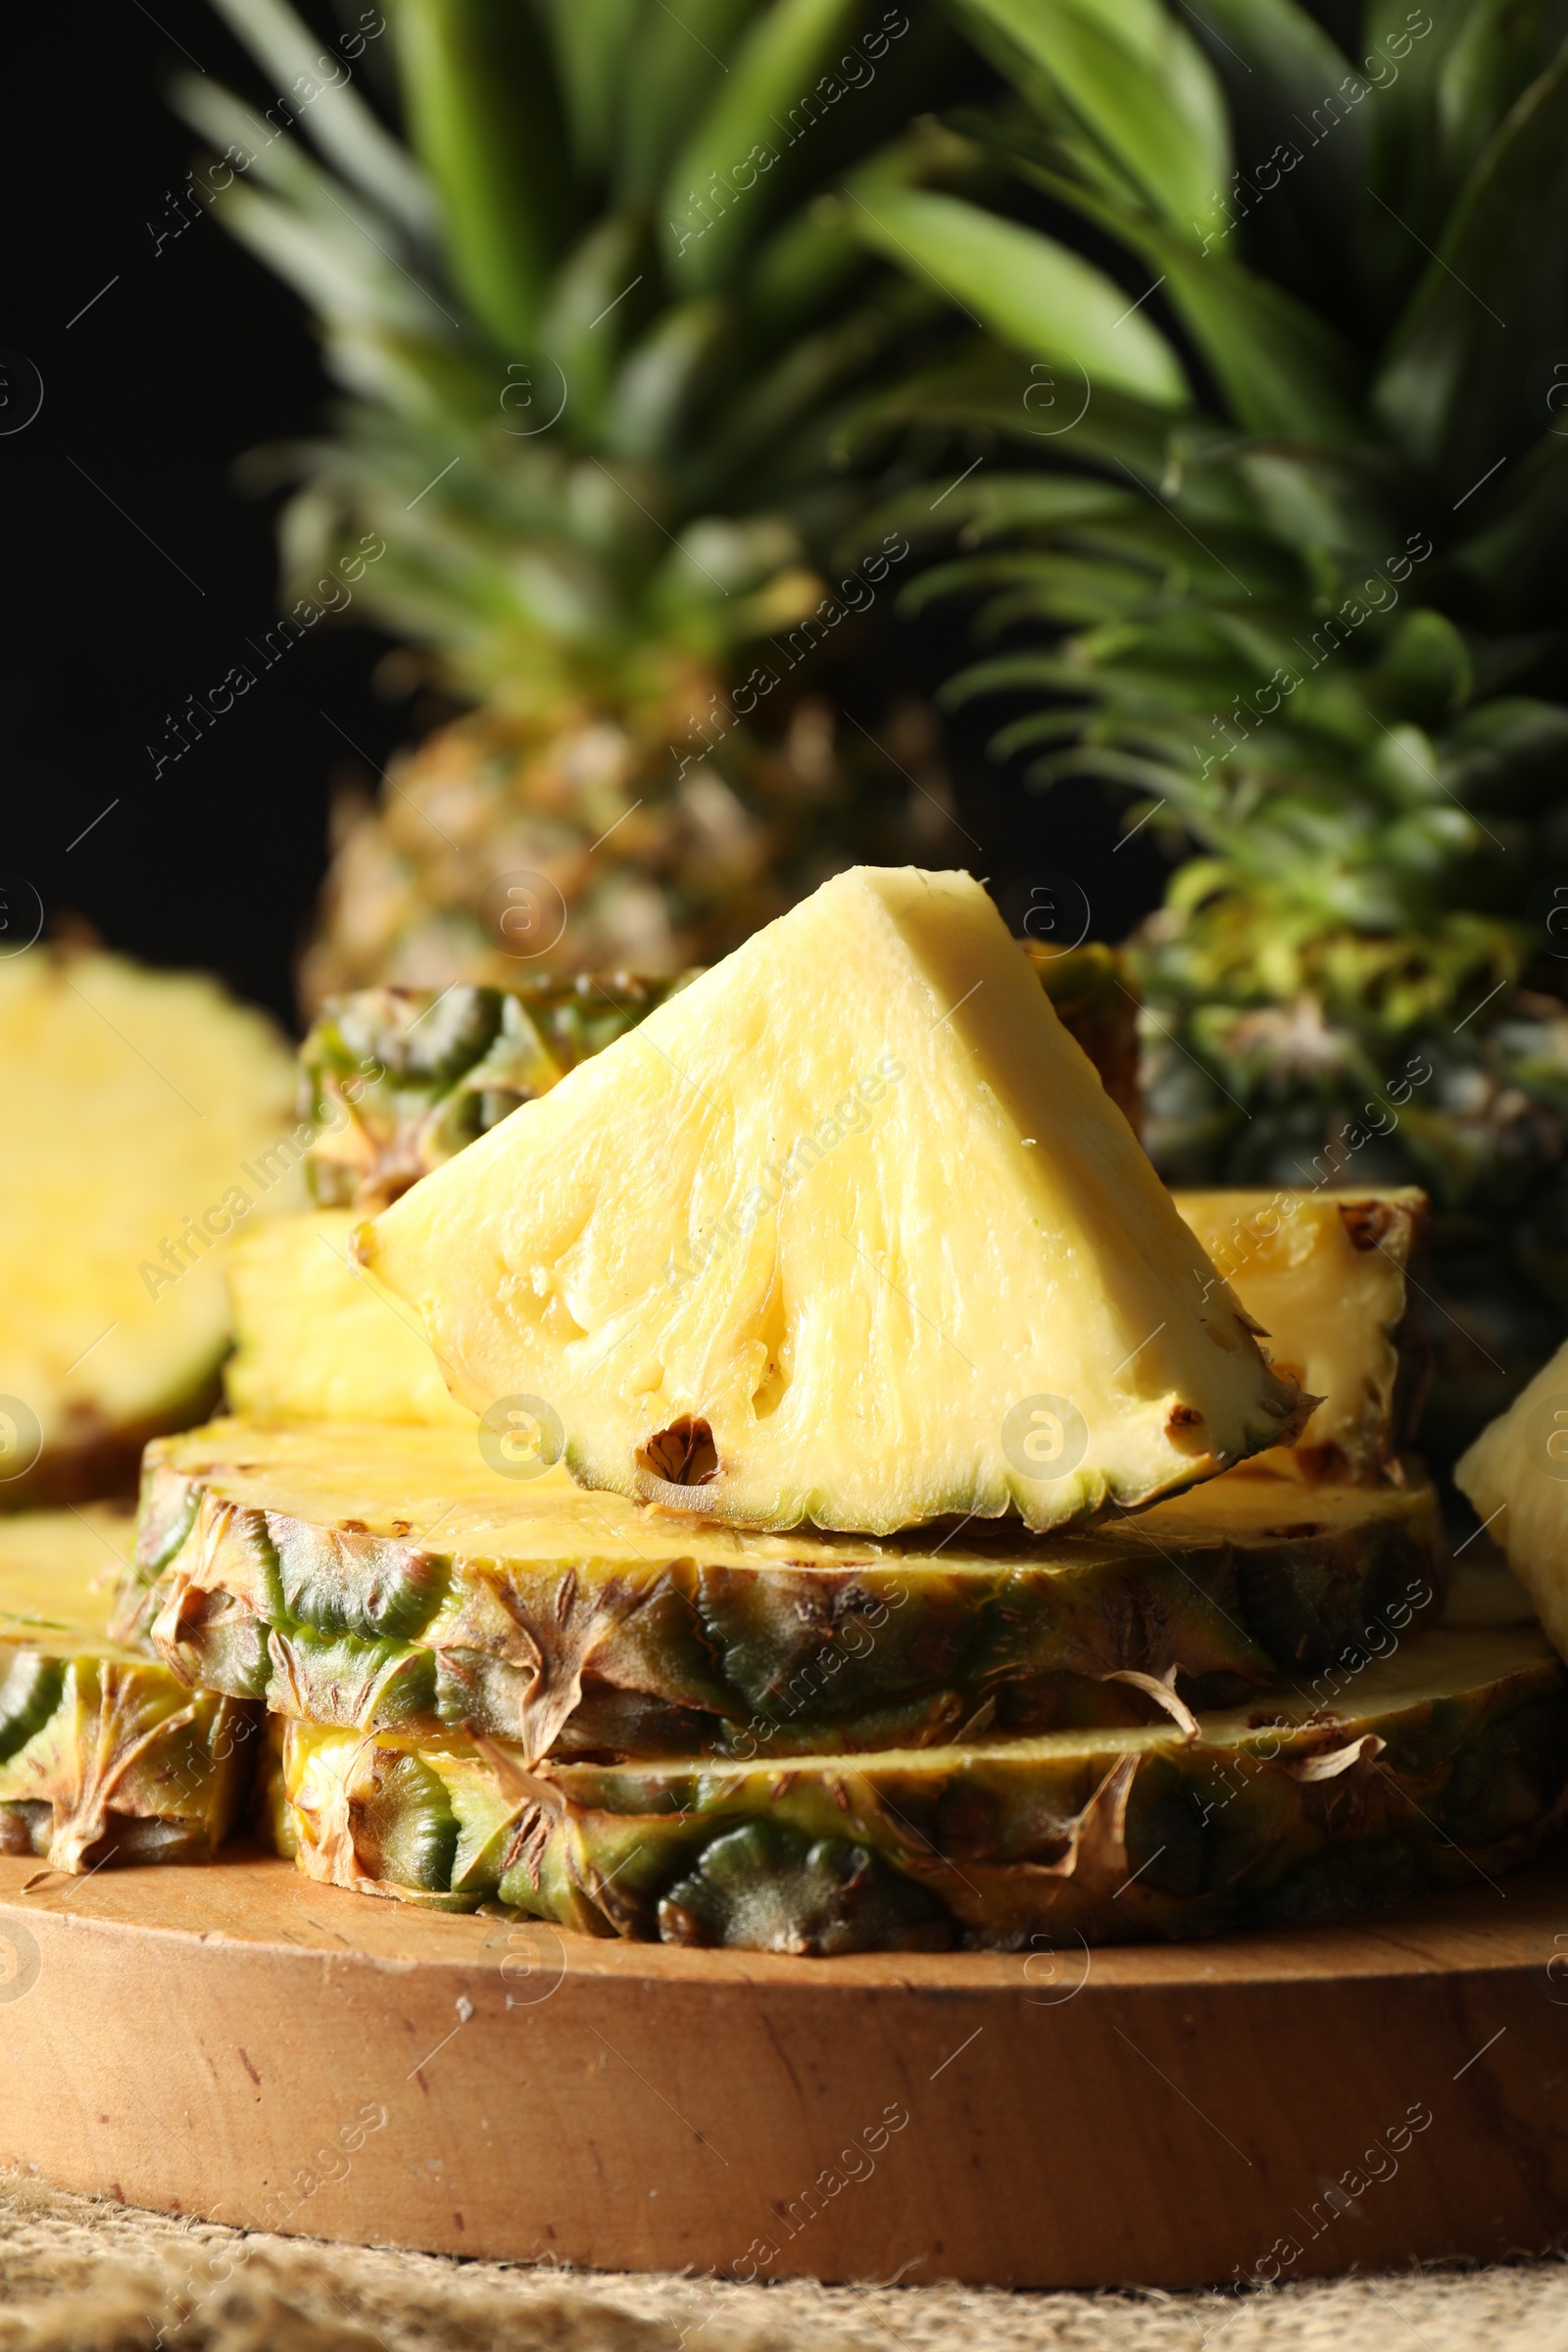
(149, 1119)
(862, 1515)
(105, 1756)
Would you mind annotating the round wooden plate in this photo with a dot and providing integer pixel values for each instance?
(236, 2042)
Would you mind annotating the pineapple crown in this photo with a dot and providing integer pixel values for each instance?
(597, 312)
(1290, 365)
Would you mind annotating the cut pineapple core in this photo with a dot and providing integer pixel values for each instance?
(1324, 1274)
(105, 1756)
(850, 1232)
(318, 1339)
(147, 1116)
(1516, 1475)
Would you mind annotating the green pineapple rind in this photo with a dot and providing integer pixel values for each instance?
(1450, 1764)
(397, 1080)
(110, 1758)
(105, 1756)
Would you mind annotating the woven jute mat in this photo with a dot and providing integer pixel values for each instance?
(82, 2276)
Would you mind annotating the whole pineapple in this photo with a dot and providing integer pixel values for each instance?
(595, 323)
(1285, 557)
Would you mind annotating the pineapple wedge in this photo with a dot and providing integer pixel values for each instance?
(1516, 1475)
(1325, 1275)
(147, 1115)
(390, 1578)
(848, 1232)
(105, 1756)
(1447, 1761)
(398, 1081)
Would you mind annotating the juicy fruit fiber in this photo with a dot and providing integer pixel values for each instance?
(388, 1578)
(798, 1245)
(136, 1104)
(1324, 1273)
(1448, 1759)
(1516, 1475)
(317, 1337)
(104, 1755)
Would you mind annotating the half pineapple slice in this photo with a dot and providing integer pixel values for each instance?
(848, 1232)
(1446, 1762)
(105, 1756)
(147, 1116)
(391, 1578)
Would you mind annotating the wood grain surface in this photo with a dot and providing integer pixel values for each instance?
(236, 2042)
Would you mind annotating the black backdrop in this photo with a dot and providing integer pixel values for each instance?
(134, 570)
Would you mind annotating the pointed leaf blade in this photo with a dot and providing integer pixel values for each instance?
(1134, 79)
(1035, 293)
(1492, 300)
(339, 120)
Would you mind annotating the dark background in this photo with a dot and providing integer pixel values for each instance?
(135, 570)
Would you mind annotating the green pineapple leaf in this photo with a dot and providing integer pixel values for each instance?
(1493, 297)
(779, 62)
(583, 33)
(1031, 289)
(1132, 76)
(343, 126)
(486, 125)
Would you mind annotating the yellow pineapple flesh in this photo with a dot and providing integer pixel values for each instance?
(148, 1117)
(1324, 1273)
(318, 1339)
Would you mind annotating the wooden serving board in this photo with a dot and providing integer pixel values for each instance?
(236, 2042)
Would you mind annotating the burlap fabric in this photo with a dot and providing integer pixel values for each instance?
(78, 2276)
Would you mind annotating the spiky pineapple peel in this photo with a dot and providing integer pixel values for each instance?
(105, 1754)
(847, 1231)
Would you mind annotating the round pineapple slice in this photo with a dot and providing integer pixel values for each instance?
(1442, 1765)
(377, 1576)
(147, 1117)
